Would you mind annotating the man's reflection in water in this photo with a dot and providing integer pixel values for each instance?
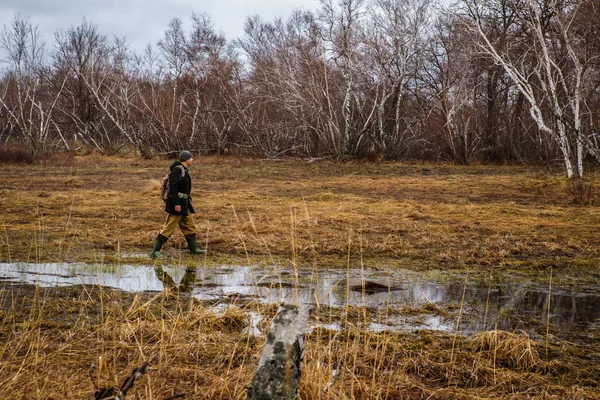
(187, 282)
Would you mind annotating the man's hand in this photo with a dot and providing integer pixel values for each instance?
(178, 208)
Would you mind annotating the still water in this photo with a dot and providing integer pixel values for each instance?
(463, 303)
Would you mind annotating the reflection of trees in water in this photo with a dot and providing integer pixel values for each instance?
(565, 309)
(522, 306)
(504, 305)
(187, 282)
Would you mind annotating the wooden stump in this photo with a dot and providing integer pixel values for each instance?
(278, 372)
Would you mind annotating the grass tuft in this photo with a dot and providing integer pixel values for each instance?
(15, 155)
(516, 351)
(581, 191)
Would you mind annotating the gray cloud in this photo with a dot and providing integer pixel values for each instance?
(143, 21)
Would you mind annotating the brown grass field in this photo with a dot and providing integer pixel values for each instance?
(58, 343)
(93, 208)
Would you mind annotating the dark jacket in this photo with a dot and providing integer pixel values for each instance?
(179, 184)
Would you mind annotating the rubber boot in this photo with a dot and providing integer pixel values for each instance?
(156, 249)
(193, 246)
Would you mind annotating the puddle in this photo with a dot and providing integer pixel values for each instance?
(397, 299)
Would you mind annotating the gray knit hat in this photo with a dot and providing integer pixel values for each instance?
(184, 155)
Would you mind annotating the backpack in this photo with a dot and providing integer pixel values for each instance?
(164, 184)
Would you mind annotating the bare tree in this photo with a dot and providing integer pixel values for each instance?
(81, 54)
(395, 41)
(27, 101)
(452, 81)
(549, 71)
(212, 64)
(173, 47)
(115, 94)
(341, 31)
(180, 90)
(358, 78)
(101, 100)
(291, 87)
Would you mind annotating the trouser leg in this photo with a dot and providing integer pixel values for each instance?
(170, 225)
(187, 226)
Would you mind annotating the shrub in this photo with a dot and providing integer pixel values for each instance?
(581, 191)
(15, 155)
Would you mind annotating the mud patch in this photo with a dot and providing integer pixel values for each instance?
(373, 287)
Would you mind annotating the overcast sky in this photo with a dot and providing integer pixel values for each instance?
(144, 21)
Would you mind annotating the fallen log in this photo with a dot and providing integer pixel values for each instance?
(279, 367)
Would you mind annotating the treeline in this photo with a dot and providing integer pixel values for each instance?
(479, 80)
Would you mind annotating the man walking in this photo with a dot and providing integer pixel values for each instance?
(179, 206)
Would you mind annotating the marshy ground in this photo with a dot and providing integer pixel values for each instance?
(73, 341)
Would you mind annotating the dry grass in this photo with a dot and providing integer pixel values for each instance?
(582, 191)
(15, 155)
(419, 216)
(73, 342)
(516, 351)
